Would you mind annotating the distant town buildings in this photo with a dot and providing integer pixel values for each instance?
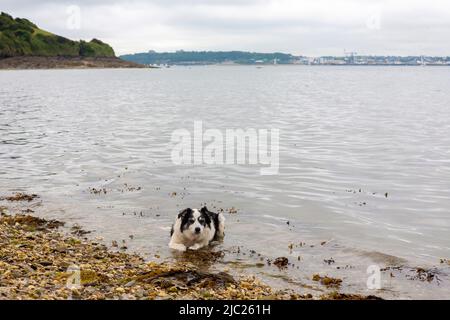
(374, 60)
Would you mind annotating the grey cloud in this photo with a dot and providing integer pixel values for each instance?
(316, 27)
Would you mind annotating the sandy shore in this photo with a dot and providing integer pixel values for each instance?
(65, 63)
(40, 260)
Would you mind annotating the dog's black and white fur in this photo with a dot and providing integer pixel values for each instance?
(195, 229)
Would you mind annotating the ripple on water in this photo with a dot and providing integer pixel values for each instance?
(378, 130)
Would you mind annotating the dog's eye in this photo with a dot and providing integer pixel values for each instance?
(201, 220)
(191, 220)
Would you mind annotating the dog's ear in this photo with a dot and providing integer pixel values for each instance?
(183, 213)
(204, 210)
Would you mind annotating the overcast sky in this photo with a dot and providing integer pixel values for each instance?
(307, 27)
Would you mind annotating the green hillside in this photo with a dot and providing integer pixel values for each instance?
(20, 37)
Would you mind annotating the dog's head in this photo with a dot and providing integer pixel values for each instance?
(194, 222)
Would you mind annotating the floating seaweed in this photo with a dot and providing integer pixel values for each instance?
(327, 281)
(21, 197)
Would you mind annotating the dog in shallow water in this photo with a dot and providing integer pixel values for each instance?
(195, 229)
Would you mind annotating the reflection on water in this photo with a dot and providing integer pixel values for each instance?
(364, 162)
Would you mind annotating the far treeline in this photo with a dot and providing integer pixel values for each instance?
(208, 57)
(20, 37)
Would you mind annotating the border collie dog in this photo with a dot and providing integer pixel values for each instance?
(195, 229)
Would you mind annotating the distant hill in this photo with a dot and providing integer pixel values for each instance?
(208, 57)
(20, 37)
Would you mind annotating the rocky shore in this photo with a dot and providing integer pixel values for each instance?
(59, 62)
(39, 259)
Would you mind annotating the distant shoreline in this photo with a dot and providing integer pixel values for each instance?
(60, 62)
(182, 57)
(64, 62)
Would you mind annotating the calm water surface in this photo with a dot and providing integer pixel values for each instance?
(364, 164)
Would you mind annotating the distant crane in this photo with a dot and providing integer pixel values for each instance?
(350, 56)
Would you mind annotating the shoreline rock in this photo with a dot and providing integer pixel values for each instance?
(38, 260)
(60, 62)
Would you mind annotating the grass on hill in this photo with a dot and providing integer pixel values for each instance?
(21, 37)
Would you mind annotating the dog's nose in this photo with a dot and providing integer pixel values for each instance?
(197, 230)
